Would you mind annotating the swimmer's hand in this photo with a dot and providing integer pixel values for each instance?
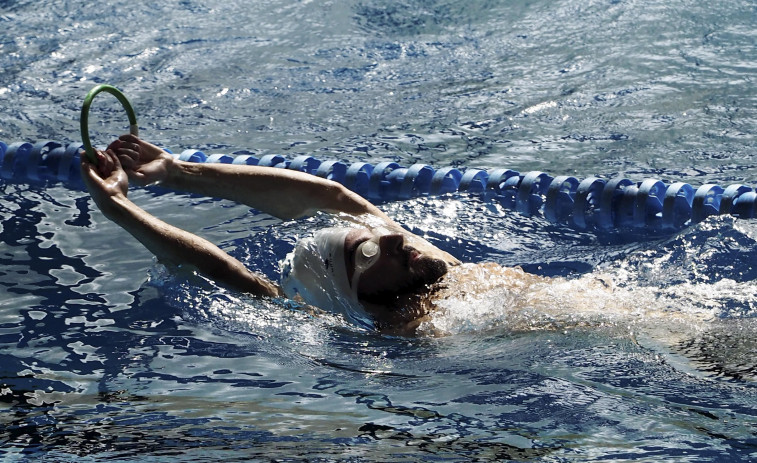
(107, 182)
(143, 162)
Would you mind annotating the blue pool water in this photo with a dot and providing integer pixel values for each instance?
(105, 354)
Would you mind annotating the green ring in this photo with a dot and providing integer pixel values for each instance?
(133, 129)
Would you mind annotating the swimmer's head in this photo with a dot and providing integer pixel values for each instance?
(382, 265)
(339, 268)
(316, 271)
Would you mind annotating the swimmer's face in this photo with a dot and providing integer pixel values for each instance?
(382, 264)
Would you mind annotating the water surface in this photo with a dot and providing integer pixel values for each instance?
(104, 353)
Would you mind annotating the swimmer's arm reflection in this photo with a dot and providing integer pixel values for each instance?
(108, 184)
(283, 193)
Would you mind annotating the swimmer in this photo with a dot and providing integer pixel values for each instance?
(373, 272)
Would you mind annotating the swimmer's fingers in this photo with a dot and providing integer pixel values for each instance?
(90, 174)
(128, 151)
(115, 145)
(116, 163)
(106, 163)
(129, 159)
(105, 189)
(147, 151)
(113, 179)
(143, 162)
(129, 138)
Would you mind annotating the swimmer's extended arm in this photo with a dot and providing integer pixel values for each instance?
(108, 186)
(285, 194)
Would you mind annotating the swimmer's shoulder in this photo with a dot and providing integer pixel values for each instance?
(475, 278)
(486, 270)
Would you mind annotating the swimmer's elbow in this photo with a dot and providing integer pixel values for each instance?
(347, 201)
(321, 195)
(328, 196)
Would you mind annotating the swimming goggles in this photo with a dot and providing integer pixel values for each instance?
(366, 256)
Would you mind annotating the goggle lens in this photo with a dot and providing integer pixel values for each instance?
(369, 249)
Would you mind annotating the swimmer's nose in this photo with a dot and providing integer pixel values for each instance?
(392, 244)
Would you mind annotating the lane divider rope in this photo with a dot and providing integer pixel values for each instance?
(592, 203)
(614, 204)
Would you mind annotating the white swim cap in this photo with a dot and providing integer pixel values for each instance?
(316, 271)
